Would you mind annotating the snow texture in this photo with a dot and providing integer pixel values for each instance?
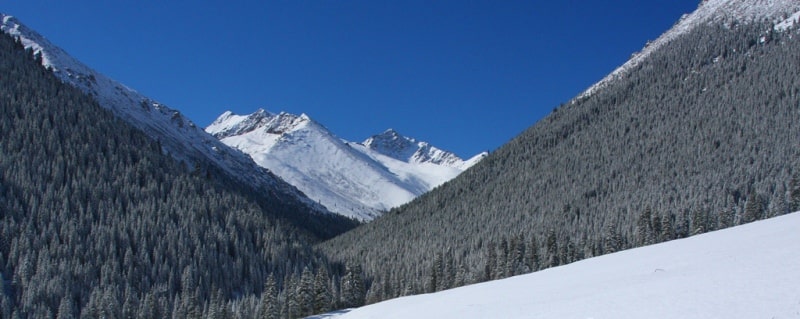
(177, 135)
(709, 11)
(749, 271)
(788, 23)
(358, 180)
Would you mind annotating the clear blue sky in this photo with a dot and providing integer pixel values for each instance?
(466, 76)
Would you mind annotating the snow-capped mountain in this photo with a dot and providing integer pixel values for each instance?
(353, 179)
(406, 149)
(783, 13)
(177, 135)
(749, 271)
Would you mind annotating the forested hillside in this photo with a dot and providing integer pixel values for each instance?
(702, 276)
(703, 134)
(95, 222)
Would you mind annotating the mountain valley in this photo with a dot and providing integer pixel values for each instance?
(115, 205)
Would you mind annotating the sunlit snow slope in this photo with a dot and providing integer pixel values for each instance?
(749, 271)
(358, 180)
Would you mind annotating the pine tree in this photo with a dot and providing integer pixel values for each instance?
(322, 291)
(148, 308)
(698, 222)
(130, 305)
(375, 293)
(268, 307)
(534, 261)
(305, 292)
(189, 294)
(643, 228)
(753, 209)
(656, 229)
(667, 228)
(490, 267)
(794, 193)
(725, 218)
(461, 276)
(66, 309)
(516, 258)
(353, 291)
(551, 246)
(612, 242)
(292, 306)
(435, 280)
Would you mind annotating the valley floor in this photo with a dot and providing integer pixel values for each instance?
(749, 271)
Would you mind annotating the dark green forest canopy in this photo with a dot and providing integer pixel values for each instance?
(703, 134)
(96, 222)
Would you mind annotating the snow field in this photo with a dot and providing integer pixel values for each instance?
(749, 271)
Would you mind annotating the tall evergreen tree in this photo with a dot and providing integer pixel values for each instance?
(794, 192)
(753, 209)
(268, 308)
(322, 291)
(353, 290)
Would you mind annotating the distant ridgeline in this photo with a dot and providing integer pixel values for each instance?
(701, 135)
(96, 222)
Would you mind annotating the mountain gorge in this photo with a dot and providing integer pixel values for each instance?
(697, 132)
(359, 180)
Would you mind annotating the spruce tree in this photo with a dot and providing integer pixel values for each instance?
(305, 293)
(268, 308)
(322, 291)
(794, 193)
(753, 209)
(353, 291)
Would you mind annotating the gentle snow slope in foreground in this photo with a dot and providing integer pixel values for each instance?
(750, 271)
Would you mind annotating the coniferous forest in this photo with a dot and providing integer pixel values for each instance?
(97, 222)
(702, 135)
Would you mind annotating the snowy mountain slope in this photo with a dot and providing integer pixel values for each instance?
(749, 271)
(177, 135)
(354, 179)
(741, 11)
(788, 22)
(394, 145)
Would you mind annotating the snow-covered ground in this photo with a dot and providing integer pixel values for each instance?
(358, 180)
(749, 271)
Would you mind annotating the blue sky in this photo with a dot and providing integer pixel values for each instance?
(466, 76)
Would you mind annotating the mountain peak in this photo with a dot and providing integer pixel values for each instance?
(390, 132)
(392, 144)
(230, 124)
(395, 145)
(261, 113)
